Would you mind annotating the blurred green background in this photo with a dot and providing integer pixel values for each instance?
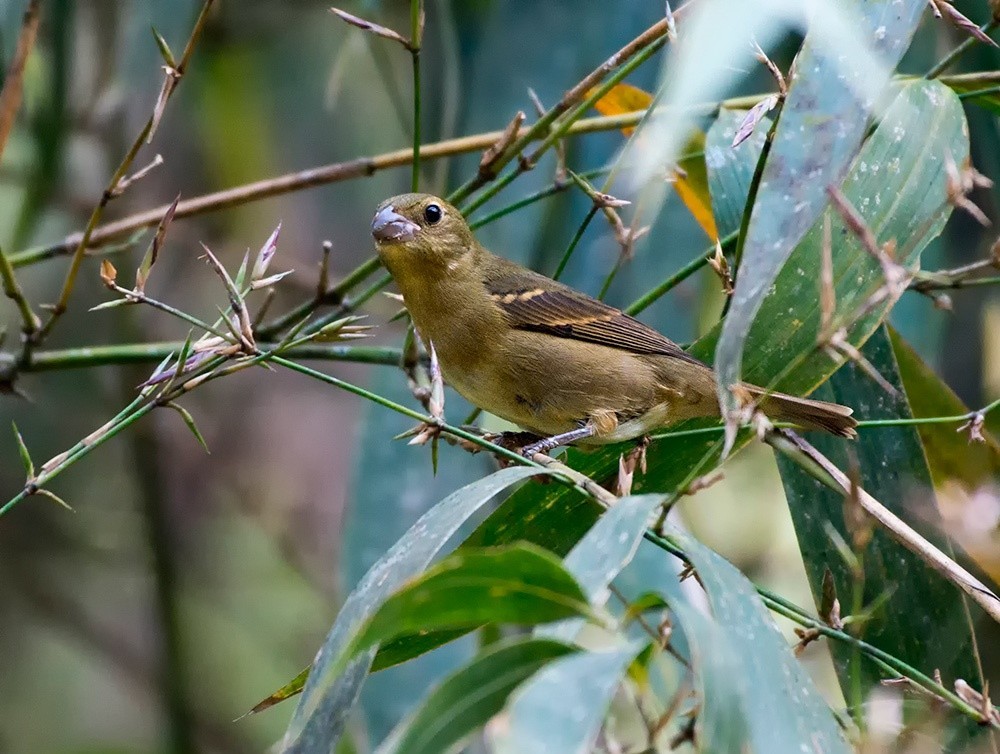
(186, 586)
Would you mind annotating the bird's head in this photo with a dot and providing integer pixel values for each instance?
(420, 233)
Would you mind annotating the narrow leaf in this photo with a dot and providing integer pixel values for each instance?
(372, 27)
(266, 254)
(189, 421)
(468, 698)
(165, 52)
(519, 584)
(149, 258)
(560, 710)
(603, 552)
(782, 708)
(328, 698)
(110, 304)
(55, 498)
(22, 449)
(823, 121)
(287, 691)
(923, 619)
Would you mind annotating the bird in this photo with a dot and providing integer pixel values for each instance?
(565, 367)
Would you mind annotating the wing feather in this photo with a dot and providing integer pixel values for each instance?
(536, 303)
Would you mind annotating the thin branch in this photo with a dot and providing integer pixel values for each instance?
(152, 353)
(817, 465)
(655, 33)
(10, 96)
(10, 103)
(302, 179)
(29, 320)
(552, 135)
(109, 192)
(416, 39)
(964, 46)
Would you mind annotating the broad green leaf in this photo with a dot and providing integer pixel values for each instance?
(989, 99)
(327, 699)
(831, 97)
(922, 618)
(409, 646)
(603, 552)
(959, 467)
(730, 169)
(717, 680)
(898, 185)
(381, 507)
(560, 710)
(519, 584)
(468, 698)
(782, 708)
(950, 457)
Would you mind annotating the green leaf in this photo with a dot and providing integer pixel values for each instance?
(327, 698)
(603, 552)
(950, 458)
(403, 648)
(730, 169)
(519, 584)
(989, 99)
(22, 450)
(822, 123)
(781, 707)
(898, 184)
(189, 422)
(110, 304)
(55, 498)
(923, 619)
(287, 691)
(381, 507)
(717, 666)
(468, 698)
(560, 710)
(165, 52)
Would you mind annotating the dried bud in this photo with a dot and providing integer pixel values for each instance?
(108, 273)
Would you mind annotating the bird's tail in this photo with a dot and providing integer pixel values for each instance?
(804, 412)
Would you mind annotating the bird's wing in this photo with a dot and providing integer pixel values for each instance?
(537, 303)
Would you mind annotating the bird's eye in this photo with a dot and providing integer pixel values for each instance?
(432, 214)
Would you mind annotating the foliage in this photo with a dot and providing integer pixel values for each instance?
(820, 198)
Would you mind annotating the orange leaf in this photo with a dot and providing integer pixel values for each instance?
(623, 98)
(691, 181)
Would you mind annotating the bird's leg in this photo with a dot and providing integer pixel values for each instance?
(566, 438)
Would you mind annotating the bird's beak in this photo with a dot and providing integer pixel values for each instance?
(389, 225)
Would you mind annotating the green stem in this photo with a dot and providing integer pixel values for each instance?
(758, 173)
(541, 126)
(555, 188)
(79, 450)
(335, 296)
(979, 92)
(141, 353)
(12, 289)
(796, 614)
(574, 241)
(959, 50)
(648, 299)
(560, 129)
(416, 34)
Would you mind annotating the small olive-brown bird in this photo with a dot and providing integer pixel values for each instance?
(542, 355)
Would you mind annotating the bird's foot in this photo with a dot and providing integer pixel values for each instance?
(566, 438)
(512, 441)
